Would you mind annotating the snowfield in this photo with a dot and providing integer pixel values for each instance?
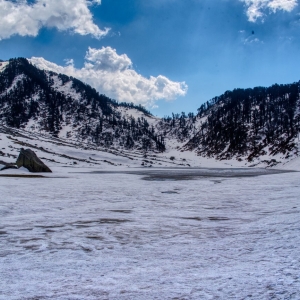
(117, 236)
(105, 228)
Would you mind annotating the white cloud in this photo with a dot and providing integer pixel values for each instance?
(249, 38)
(112, 74)
(256, 8)
(108, 59)
(20, 17)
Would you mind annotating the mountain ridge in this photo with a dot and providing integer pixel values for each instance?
(259, 126)
(51, 102)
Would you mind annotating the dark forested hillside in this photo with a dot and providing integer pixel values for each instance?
(249, 122)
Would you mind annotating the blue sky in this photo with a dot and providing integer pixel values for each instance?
(193, 49)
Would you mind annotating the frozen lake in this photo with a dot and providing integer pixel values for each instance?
(193, 173)
(226, 234)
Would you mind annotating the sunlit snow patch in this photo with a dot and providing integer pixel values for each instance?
(3, 65)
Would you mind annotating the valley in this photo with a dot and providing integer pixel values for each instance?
(141, 207)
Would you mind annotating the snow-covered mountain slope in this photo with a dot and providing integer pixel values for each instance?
(253, 127)
(66, 155)
(46, 102)
(259, 123)
(60, 153)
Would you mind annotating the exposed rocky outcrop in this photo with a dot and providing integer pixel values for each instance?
(29, 160)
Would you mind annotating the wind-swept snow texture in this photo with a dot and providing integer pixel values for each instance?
(117, 236)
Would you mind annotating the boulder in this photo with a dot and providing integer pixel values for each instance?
(29, 160)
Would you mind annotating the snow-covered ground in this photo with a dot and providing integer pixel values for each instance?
(117, 236)
(102, 227)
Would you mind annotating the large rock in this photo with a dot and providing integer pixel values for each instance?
(29, 160)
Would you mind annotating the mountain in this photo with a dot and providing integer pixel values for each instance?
(63, 106)
(250, 123)
(253, 126)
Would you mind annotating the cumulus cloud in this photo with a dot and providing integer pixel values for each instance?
(20, 17)
(108, 59)
(112, 74)
(256, 8)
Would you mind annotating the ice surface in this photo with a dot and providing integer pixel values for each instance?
(116, 236)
